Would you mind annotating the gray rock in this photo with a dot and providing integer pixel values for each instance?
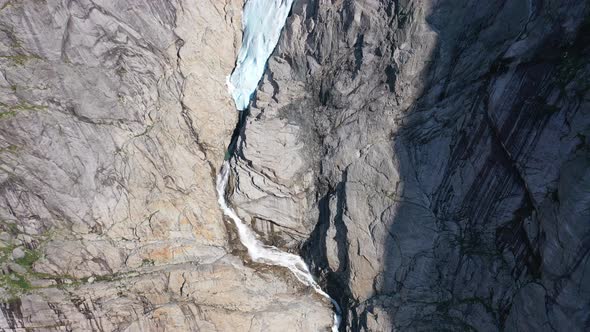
(428, 158)
(437, 160)
(114, 118)
(5, 237)
(43, 283)
(17, 268)
(18, 253)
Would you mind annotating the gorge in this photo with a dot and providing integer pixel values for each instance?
(423, 163)
(261, 18)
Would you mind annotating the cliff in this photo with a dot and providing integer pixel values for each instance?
(115, 117)
(429, 159)
(432, 157)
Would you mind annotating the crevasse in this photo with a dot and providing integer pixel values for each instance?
(263, 21)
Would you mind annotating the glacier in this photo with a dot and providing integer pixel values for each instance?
(262, 22)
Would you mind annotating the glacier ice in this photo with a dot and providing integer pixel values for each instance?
(262, 22)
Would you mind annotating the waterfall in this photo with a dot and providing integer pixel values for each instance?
(263, 21)
(266, 254)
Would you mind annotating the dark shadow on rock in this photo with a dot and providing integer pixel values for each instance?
(486, 155)
(466, 238)
(314, 250)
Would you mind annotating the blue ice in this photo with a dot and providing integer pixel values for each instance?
(262, 21)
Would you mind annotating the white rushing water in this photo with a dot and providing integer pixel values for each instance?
(261, 253)
(263, 21)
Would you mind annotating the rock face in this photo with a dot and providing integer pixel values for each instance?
(114, 117)
(430, 159)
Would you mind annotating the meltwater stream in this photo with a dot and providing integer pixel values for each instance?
(270, 255)
(262, 21)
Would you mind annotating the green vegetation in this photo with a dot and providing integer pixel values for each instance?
(7, 114)
(8, 227)
(146, 131)
(31, 256)
(121, 71)
(5, 253)
(23, 106)
(10, 148)
(12, 110)
(106, 277)
(13, 3)
(147, 262)
(15, 283)
(20, 59)
(5, 5)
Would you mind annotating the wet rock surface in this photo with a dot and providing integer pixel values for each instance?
(430, 159)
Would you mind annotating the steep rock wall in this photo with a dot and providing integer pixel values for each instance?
(114, 117)
(430, 159)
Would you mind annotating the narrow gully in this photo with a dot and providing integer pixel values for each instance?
(263, 21)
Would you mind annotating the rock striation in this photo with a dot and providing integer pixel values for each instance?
(114, 120)
(430, 159)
